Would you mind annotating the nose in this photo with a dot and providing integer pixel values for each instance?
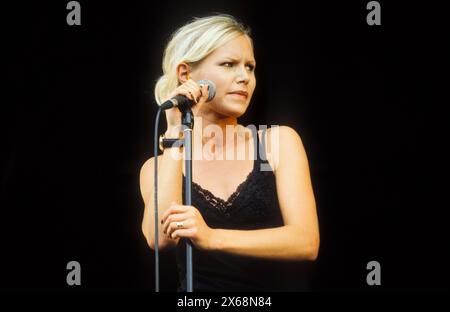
(242, 75)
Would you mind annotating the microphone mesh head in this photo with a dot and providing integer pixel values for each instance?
(211, 90)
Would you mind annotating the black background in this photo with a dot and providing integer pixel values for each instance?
(78, 120)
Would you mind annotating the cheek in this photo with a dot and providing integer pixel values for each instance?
(253, 85)
(219, 81)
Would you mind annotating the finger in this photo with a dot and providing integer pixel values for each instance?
(193, 97)
(203, 94)
(183, 90)
(201, 91)
(188, 233)
(173, 226)
(196, 89)
(175, 218)
(177, 91)
(205, 91)
(173, 209)
(188, 92)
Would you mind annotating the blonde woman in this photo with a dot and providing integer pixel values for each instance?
(250, 216)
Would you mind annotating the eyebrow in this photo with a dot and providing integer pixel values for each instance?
(236, 60)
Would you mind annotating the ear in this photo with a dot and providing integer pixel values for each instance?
(183, 71)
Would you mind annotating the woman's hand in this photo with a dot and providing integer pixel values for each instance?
(187, 221)
(193, 91)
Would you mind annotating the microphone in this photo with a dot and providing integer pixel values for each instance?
(183, 102)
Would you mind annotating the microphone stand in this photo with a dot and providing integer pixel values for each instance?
(187, 120)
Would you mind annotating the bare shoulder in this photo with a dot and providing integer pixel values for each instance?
(146, 177)
(282, 143)
(290, 137)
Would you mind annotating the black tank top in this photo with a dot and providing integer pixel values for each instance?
(254, 205)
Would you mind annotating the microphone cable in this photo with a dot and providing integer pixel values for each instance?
(155, 198)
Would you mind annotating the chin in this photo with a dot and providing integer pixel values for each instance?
(234, 109)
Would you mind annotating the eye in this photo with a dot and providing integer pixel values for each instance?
(227, 64)
(251, 67)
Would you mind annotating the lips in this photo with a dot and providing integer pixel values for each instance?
(240, 92)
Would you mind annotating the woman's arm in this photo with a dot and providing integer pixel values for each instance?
(169, 164)
(298, 239)
(169, 190)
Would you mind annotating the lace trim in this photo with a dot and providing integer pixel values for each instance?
(219, 203)
(224, 206)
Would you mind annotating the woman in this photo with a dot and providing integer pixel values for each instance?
(246, 223)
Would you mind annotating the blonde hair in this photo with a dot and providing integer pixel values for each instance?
(192, 43)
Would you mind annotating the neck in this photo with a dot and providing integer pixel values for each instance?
(218, 131)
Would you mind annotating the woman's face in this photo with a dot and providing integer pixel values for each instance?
(232, 68)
